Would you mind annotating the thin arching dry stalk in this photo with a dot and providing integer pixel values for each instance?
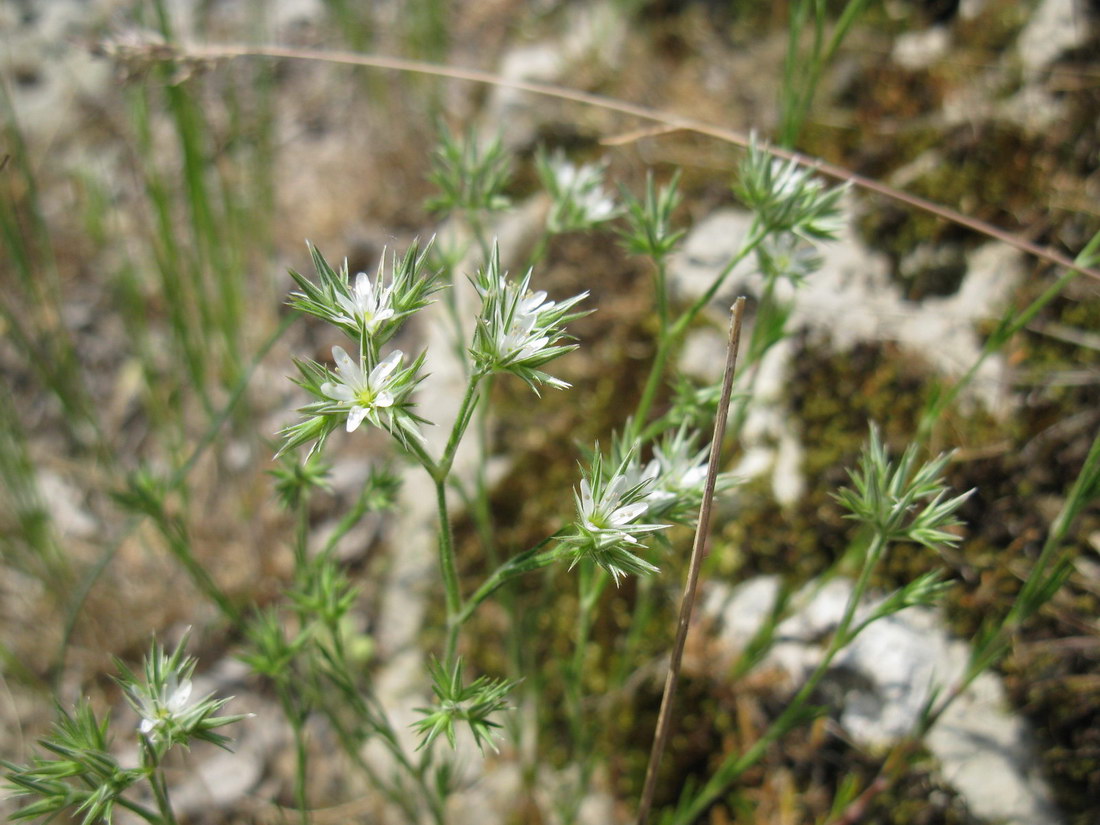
(687, 601)
(669, 121)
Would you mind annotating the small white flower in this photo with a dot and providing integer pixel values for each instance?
(519, 329)
(606, 515)
(595, 206)
(579, 198)
(369, 304)
(607, 527)
(525, 336)
(681, 470)
(162, 709)
(362, 392)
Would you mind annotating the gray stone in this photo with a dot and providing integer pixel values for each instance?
(884, 679)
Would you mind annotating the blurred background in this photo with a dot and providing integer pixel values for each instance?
(150, 211)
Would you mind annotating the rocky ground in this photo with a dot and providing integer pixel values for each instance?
(990, 107)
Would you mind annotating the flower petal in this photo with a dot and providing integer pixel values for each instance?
(338, 392)
(384, 367)
(355, 417)
(178, 700)
(627, 514)
(350, 371)
(586, 499)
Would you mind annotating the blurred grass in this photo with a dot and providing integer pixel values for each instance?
(188, 262)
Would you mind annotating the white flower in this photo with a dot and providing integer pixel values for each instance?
(363, 393)
(594, 206)
(525, 336)
(608, 517)
(369, 304)
(519, 329)
(607, 529)
(579, 198)
(165, 707)
(680, 469)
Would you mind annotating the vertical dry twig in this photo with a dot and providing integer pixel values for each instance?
(687, 602)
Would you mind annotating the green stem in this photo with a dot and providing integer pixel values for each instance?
(591, 583)
(147, 814)
(757, 232)
(180, 546)
(1038, 588)
(477, 227)
(652, 384)
(734, 767)
(449, 569)
(301, 753)
(671, 335)
(993, 344)
(450, 301)
(160, 793)
(525, 562)
(660, 290)
(540, 250)
(466, 409)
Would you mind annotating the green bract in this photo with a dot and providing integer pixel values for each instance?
(371, 309)
(472, 704)
(902, 502)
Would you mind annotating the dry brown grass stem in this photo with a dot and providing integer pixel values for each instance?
(687, 601)
(669, 122)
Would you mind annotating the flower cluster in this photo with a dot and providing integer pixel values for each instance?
(609, 504)
(786, 255)
(519, 330)
(649, 221)
(675, 476)
(78, 774)
(787, 197)
(372, 388)
(579, 200)
(471, 175)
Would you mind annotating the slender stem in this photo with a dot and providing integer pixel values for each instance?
(516, 566)
(687, 603)
(417, 450)
(466, 409)
(301, 753)
(992, 345)
(591, 583)
(674, 333)
(729, 771)
(757, 233)
(477, 227)
(450, 301)
(481, 509)
(540, 250)
(652, 384)
(160, 793)
(449, 569)
(301, 538)
(147, 814)
(660, 290)
(179, 544)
